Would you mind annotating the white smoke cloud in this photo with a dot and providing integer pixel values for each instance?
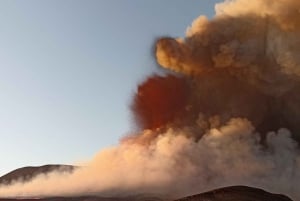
(174, 165)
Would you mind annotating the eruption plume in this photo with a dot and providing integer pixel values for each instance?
(244, 62)
(227, 114)
(160, 100)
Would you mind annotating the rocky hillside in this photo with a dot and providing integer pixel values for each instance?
(233, 193)
(27, 173)
(236, 193)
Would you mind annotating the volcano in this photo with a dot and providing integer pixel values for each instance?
(223, 112)
(27, 173)
(231, 193)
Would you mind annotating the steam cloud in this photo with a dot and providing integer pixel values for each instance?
(228, 117)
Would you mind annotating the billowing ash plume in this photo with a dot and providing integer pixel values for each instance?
(243, 63)
(228, 117)
(160, 100)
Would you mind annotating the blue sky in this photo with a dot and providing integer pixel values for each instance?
(69, 70)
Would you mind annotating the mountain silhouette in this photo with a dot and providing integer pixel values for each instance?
(231, 193)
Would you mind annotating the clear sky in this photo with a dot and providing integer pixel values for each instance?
(68, 70)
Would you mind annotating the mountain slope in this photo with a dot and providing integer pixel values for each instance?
(27, 173)
(232, 193)
(236, 193)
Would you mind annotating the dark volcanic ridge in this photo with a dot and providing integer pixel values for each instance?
(25, 174)
(232, 193)
(236, 193)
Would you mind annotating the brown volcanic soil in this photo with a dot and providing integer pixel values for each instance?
(27, 173)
